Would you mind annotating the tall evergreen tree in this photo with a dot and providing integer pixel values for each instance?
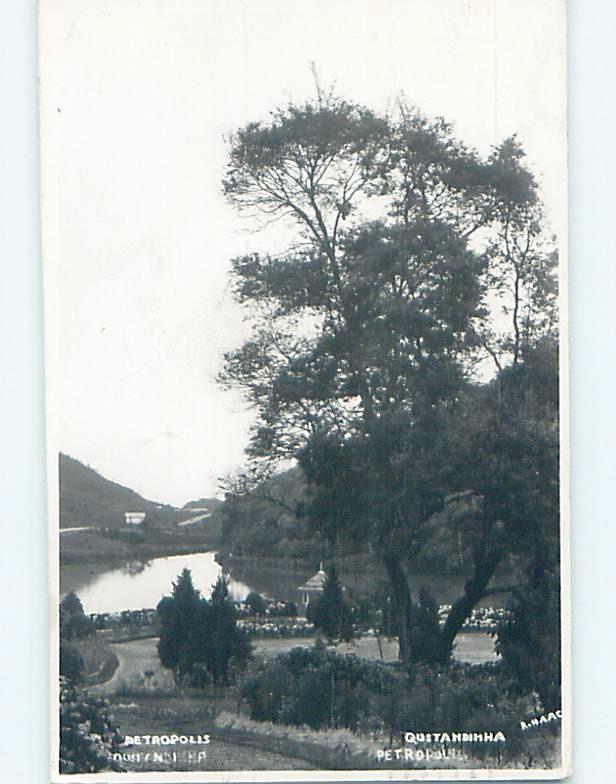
(199, 636)
(329, 612)
(227, 644)
(181, 616)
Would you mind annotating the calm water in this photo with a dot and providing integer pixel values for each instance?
(113, 590)
(282, 583)
(104, 589)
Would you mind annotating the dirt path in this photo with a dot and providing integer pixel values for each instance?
(135, 658)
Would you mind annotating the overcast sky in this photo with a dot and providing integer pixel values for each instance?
(135, 99)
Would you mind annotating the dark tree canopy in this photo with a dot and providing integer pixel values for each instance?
(74, 623)
(256, 603)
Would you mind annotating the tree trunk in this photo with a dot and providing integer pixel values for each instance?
(461, 609)
(402, 605)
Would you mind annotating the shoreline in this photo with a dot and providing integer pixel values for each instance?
(141, 552)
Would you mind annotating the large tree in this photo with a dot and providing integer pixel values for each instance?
(367, 328)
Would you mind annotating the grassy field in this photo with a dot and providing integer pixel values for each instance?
(136, 659)
(471, 647)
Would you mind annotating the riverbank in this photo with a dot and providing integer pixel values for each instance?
(95, 546)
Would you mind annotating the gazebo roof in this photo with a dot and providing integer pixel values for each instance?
(316, 582)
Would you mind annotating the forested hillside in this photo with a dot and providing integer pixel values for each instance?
(267, 520)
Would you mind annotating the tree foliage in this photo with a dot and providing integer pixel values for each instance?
(256, 602)
(330, 613)
(74, 623)
(530, 641)
(199, 638)
(415, 260)
(71, 662)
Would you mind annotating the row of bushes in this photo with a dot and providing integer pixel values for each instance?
(331, 749)
(481, 619)
(258, 606)
(323, 689)
(108, 620)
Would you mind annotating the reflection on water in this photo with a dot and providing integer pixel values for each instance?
(135, 586)
(281, 581)
(132, 588)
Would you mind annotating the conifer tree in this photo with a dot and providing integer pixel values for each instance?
(200, 639)
(330, 613)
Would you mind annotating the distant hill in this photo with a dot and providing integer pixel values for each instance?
(87, 498)
(211, 504)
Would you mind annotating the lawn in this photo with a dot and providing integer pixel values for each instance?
(471, 647)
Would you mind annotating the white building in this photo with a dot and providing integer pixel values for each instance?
(134, 518)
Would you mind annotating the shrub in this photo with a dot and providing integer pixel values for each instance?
(320, 688)
(71, 662)
(147, 684)
(88, 735)
(529, 638)
(315, 687)
(74, 623)
(425, 639)
(256, 603)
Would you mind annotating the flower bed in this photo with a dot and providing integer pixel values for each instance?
(288, 627)
(482, 619)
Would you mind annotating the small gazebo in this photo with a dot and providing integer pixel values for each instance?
(313, 586)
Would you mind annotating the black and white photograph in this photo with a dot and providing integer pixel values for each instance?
(306, 381)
